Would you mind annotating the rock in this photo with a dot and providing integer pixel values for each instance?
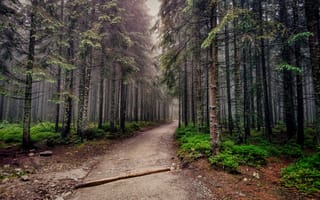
(31, 154)
(18, 170)
(245, 179)
(66, 194)
(240, 194)
(46, 153)
(199, 176)
(5, 180)
(6, 166)
(25, 178)
(256, 175)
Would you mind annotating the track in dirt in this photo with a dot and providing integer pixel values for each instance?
(147, 151)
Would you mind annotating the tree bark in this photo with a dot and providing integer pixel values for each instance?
(312, 17)
(26, 141)
(214, 91)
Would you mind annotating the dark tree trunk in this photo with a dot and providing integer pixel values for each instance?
(113, 101)
(185, 112)
(26, 141)
(246, 101)
(313, 25)
(123, 105)
(101, 90)
(59, 71)
(227, 57)
(267, 121)
(287, 78)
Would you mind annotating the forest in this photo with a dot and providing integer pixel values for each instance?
(235, 82)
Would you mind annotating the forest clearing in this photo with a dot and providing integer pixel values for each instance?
(159, 99)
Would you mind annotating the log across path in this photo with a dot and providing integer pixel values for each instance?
(139, 168)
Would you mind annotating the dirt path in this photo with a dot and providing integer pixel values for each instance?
(149, 150)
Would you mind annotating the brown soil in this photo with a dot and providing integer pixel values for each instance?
(247, 184)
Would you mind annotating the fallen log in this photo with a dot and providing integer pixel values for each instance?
(113, 179)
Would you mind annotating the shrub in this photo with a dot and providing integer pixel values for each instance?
(231, 156)
(193, 145)
(291, 150)
(304, 174)
(225, 160)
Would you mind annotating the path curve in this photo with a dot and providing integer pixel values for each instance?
(152, 149)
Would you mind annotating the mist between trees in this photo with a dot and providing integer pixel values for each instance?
(73, 62)
(240, 66)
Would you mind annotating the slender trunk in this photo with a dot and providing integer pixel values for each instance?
(136, 104)
(26, 142)
(113, 101)
(123, 103)
(237, 79)
(101, 91)
(179, 98)
(246, 101)
(287, 78)
(59, 71)
(227, 62)
(267, 121)
(193, 113)
(312, 17)
(214, 90)
(185, 112)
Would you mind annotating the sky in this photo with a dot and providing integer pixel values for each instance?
(154, 6)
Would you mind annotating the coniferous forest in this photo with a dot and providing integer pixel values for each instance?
(235, 84)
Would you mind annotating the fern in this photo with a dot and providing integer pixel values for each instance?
(288, 67)
(298, 37)
(231, 15)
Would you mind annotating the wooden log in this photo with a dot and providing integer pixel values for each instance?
(117, 178)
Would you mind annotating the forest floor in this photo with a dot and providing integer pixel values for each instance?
(54, 177)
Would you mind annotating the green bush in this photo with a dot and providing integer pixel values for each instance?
(225, 160)
(291, 150)
(304, 174)
(231, 156)
(250, 154)
(12, 133)
(193, 144)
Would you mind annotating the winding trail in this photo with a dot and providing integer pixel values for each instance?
(149, 150)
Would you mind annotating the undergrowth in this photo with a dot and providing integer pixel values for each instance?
(11, 134)
(303, 174)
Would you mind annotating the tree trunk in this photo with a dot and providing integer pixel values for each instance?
(185, 112)
(237, 80)
(214, 92)
(287, 78)
(227, 57)
(59, 71)
(26, 141)
(101, 90)
(312, 17)
(123, 105)
(113, 101)
(299, 79)
(267, 121)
